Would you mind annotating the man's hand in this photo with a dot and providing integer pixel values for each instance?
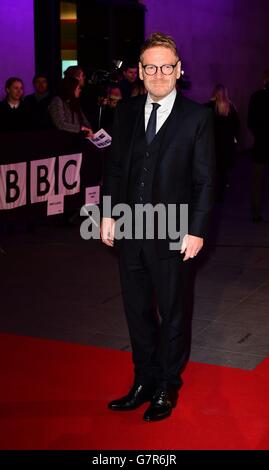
(107, 231)
(191, 246)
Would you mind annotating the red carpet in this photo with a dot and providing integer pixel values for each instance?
(53, 395)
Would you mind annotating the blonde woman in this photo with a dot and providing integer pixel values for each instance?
(226, 129)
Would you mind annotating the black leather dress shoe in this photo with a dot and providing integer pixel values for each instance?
(138, 395)
(161, 405)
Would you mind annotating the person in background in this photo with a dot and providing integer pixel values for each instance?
(129, 80)
(37, 104)
(114, 95)
(75, 71)
(87, 98)
(258, 123)
(13, 117)
(138, 88)
(226, 130)
(65, 110)
(108, 107)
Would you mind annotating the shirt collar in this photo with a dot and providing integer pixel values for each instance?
(13, 105)
(166, 102)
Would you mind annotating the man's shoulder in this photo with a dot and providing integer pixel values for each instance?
(29, 97)
(4, 104)
(193, 107)
(260, 94)
(133, 102)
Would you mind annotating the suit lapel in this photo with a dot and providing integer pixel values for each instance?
(174, 123)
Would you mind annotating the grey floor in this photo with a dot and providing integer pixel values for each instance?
(56, 285)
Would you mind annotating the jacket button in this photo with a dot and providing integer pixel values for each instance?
(147, 154)
(142, 184)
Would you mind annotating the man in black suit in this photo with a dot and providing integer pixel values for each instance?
(258, 123)
(37, 104)
(162, 153)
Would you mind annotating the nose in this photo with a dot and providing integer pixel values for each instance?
(159, 72)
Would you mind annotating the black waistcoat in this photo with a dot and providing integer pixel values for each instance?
(143, 164)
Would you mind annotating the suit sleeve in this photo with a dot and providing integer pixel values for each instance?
(113, 167)
(203, 176)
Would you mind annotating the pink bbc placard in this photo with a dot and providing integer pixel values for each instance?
(42, 179)
(92, 195)
(55, 204)
(12, 185)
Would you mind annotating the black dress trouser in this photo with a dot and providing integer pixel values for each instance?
(160, 338)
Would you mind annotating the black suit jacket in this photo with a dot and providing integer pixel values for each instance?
(258, 123)
(185, 170)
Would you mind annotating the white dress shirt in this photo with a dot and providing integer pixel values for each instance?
(166, 105)
(14, 106)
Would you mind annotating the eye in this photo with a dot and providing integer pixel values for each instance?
(167, 68)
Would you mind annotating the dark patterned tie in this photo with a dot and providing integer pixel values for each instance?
(151, 127)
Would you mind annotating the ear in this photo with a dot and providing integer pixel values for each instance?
(140, 71)
(178, 69)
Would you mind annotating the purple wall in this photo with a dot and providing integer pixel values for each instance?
(17, 41)
(219, 41)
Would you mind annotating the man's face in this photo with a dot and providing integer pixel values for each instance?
(159, 85)
(114, 97)
(41, 85)
(15, 91)
(130, 74)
